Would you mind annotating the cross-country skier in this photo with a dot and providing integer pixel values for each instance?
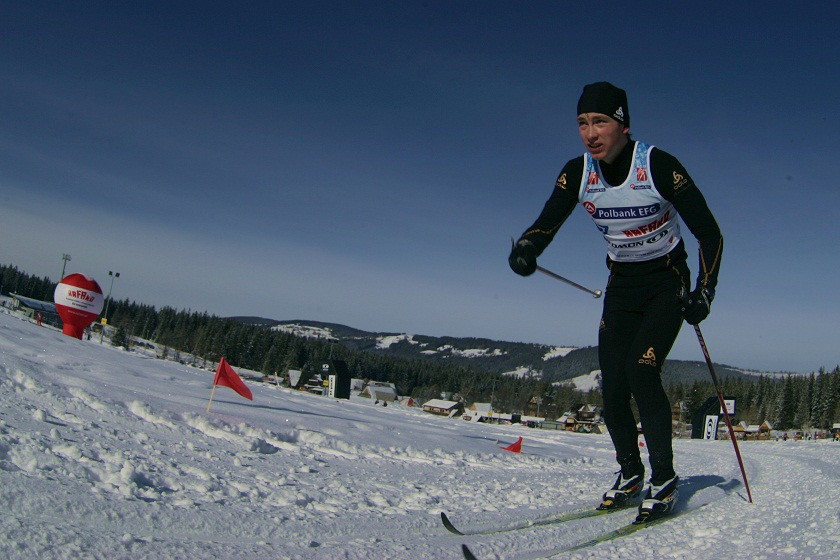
(635, 194)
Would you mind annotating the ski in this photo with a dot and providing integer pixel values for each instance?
(625, 530)
(552, 520)
(622, 531)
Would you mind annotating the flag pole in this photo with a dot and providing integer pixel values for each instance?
(211, 396)
(215, 380)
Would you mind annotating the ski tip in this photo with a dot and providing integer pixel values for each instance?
(448, 524)
(468, 555)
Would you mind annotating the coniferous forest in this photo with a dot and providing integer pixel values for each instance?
(791, 402)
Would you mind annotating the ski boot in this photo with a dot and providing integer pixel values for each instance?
(658, 502)
(622, 492)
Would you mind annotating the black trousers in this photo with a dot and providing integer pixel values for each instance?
(640, 322)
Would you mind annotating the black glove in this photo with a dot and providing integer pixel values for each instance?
(695, 306)
(523, 258)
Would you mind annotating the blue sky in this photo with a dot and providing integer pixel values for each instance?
(367, 163)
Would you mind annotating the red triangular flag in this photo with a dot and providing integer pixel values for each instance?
(226, 377)
(515, 447)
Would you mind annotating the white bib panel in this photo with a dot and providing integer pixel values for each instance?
(638, 224)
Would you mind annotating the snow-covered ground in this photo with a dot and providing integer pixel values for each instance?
(110, 454)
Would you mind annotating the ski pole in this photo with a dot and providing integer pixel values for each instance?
(595, 293)
(723, 408)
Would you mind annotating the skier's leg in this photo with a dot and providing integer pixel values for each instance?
(656, 335)
(613, 345)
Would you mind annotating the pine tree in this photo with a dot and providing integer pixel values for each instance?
(694, 399)
(803, 417)
(823, 402)
(833, 400)
(786, 406)
(120, 338)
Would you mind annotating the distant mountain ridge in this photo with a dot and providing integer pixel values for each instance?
(551, 363)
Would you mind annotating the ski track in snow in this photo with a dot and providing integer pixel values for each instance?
(108, 454)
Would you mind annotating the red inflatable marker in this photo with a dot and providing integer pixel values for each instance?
(78, 300)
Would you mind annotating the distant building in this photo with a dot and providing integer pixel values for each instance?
(380, 391)
(478, 412)
(31, 306)
(296, 379)
(483, 412)
(587, 413)
(584, 418)
(753, 431)
(443, 408)
(480, 409)
(306, 381)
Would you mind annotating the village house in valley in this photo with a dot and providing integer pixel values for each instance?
(443, 407)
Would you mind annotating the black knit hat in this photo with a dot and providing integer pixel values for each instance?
(605, 98)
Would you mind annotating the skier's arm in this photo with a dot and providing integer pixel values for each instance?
(557, 208)
(675, 184)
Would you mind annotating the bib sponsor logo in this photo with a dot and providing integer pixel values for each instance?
(628, 245)
(649, 228)
(626, 212)
(657, 237)
(639, 243)
(641, 173)
(592, 179)
(589, 207)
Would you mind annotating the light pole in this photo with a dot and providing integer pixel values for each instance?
(113, 275)
(492, 394)
(65, 257)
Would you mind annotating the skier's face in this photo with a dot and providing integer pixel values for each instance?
(603, 137)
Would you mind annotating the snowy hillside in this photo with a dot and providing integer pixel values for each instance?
(111, 454)
(555, 364)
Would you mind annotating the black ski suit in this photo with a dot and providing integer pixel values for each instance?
(641, 316)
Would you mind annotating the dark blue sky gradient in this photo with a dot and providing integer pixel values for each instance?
(367, 163)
